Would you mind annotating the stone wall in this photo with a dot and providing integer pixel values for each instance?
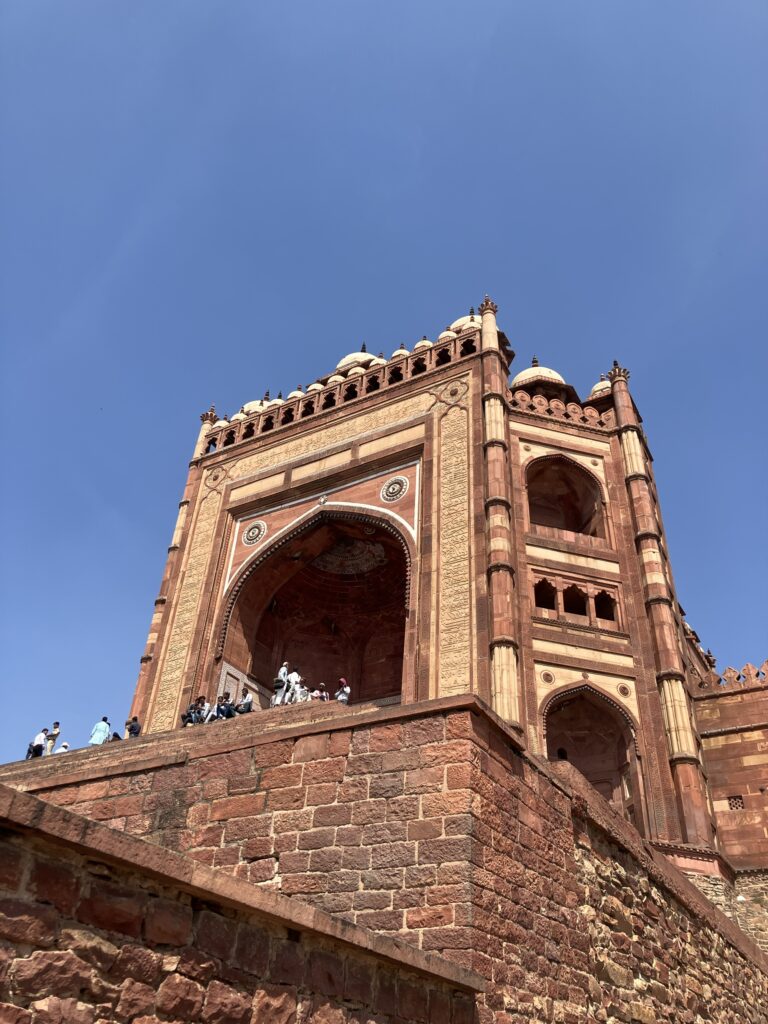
(428, 822)
(98, 927)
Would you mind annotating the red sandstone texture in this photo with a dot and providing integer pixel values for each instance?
(427, 823)
(106, 930)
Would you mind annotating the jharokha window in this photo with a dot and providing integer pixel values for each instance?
(563, 496)
(545, 595)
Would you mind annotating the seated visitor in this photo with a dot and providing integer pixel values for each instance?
(320, 693)
(245, 704)
(343, 692)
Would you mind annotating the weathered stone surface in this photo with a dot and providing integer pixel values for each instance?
(276, 1004)
(46, 972)
(180, 997)
(225, 1005)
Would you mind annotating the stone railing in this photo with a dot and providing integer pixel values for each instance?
(749, 677)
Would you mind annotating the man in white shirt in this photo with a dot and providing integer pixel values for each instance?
(343, 692)
(281, 685)
(291, 692)
(37, 746)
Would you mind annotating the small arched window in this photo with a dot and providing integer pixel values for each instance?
(350, 392)
(468, 347)
(395, 375)
(372, 384)
(564, 496)
(574, 600)
(329, 401)
(307, 409)
(249, 431)
(545, 595)
(229, 439)
(268, 424)
(443, 357)
(605, 606)
(211, 446)
(419, 366)
(288, 416)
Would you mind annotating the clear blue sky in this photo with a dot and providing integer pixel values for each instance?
(201, 200)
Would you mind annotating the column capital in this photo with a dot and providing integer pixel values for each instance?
(617, 373)
(487, 306)
(209, 416)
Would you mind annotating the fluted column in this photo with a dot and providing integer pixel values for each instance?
(505, 684)
(670, 669)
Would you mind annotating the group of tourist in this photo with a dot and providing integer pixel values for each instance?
(44, 743)
(289, 688)
(201, 711)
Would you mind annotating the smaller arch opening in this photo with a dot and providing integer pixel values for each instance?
(574, 600)
(419, 366)
(211, 446)
(443, 357)
(229, 439)
(563, 496)
(288, 416)
(395, 375)
(329, 401)
(350, 392)
(372, 384)
(468, 347)
(545, 595)
(605, 606)
(562, 754)
(249, 431)
(307, 409)
(268, 424)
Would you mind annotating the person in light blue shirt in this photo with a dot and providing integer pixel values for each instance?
(99, 733)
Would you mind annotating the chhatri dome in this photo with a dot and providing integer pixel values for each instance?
(536, 373)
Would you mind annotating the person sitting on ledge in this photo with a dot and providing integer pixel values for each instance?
(132, 728)
(343, 692)
(197, 711)
(245, 704)
(320, 693)
(62, 749)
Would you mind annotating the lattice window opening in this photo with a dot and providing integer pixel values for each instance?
(736, 803)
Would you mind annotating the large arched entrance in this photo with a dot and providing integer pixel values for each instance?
(332, 601)
(584, 729)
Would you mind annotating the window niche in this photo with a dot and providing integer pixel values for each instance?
(545, 596)
(563, 496)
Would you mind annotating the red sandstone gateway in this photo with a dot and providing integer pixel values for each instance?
(535, 740)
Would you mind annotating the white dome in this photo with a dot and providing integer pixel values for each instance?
(464, 322)
(221, 423)
(354, 359)
(447, 335)
(256, 406)
(355, 371)
(274, 401)
(295, 394)
(238, 416)
(536, 373)
(423, 343)
(335, 378)
(399, 352)
(378, 361)
(601, 388)
(317, 386)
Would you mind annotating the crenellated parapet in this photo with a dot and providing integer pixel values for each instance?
(750, 677)
(567, 412)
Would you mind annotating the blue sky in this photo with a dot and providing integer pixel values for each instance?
(203, 200)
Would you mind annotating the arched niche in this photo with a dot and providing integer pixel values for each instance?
(562, 495)
(331, 597)
(597, 736)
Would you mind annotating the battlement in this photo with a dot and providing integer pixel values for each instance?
(750, 677)
(553, 408)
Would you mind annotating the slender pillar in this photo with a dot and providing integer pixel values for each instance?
(684, 760)
(160, 616)
(505, 683)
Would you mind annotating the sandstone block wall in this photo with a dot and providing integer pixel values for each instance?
(427, 822)
(93, 929)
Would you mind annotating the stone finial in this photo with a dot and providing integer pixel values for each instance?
(266, 396)
(210, 416)
(363, 348)
(380, 355)
(617, 372)
(279, 394)
(488, 306)
(535, 361)
(710, 659)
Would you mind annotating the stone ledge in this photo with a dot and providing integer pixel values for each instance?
(204, 741)
(55, 824)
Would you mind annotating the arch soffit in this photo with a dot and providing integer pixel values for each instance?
(534, 460)
(377, 517)
(589, 689)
